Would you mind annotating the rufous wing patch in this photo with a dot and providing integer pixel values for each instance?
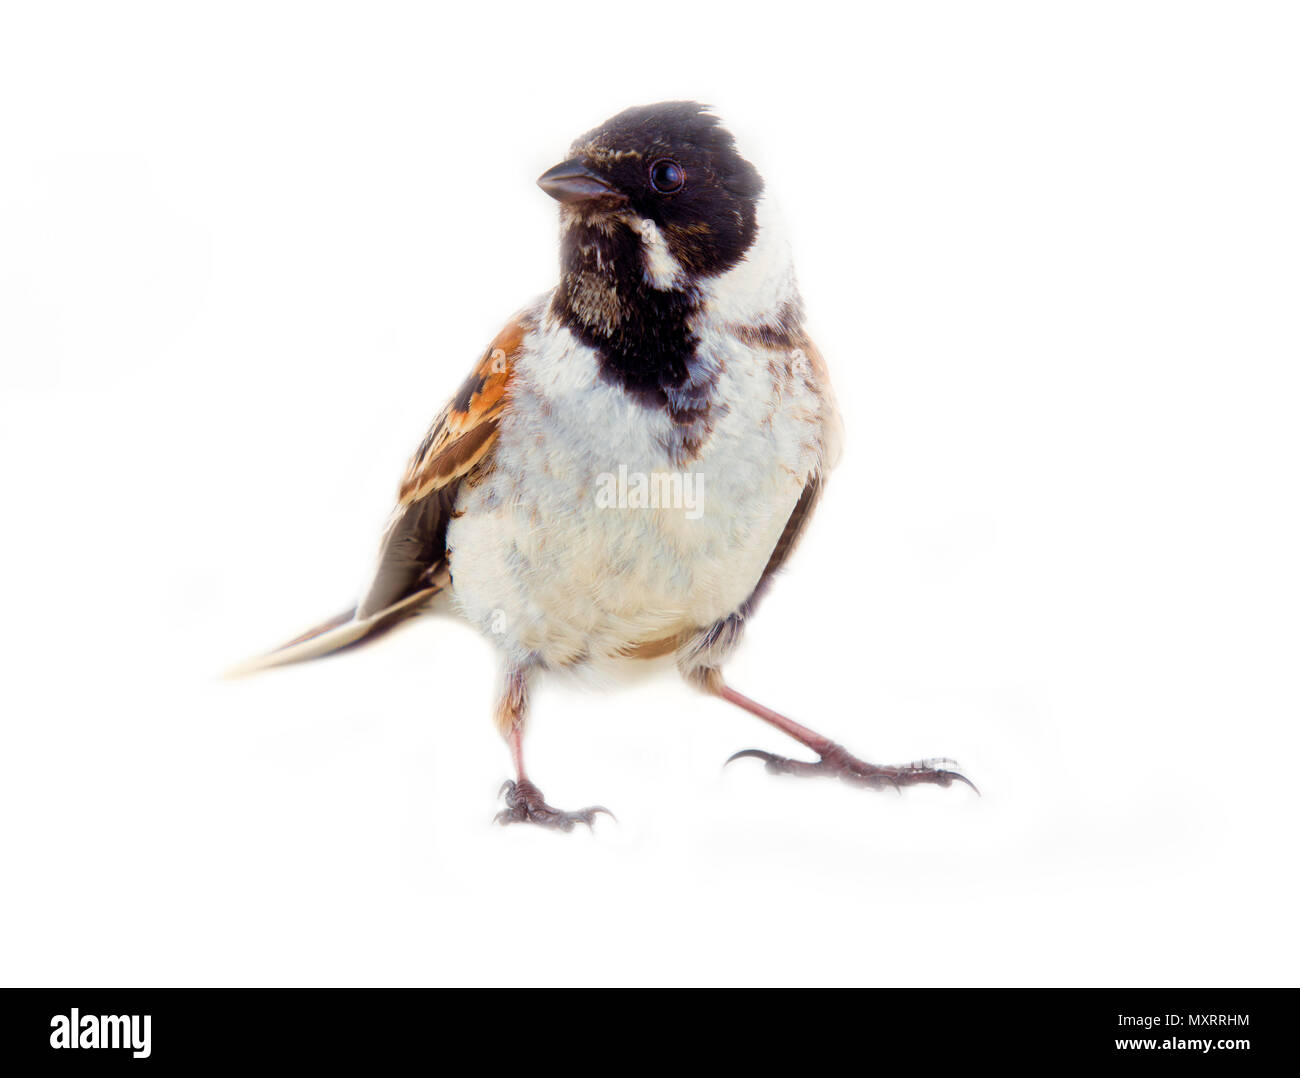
(464, 431)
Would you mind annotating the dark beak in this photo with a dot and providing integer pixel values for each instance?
(573, 181)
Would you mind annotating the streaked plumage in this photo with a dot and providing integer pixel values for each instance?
(673, 350)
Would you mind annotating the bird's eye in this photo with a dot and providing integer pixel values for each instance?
(667, 176)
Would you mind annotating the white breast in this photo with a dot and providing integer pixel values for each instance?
(552, 553)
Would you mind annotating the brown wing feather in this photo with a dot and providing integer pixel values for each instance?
(414, 549)
(465, 430)
(412, 565)
(831, 438)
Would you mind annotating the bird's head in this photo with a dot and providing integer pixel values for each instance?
(664, 182)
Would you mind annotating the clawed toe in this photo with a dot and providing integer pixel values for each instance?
(837, 762)
(930, 771)
(525, 804)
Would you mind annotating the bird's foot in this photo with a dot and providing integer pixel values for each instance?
(838, 762)
(525, 804)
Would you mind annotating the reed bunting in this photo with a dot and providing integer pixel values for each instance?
(637, 452)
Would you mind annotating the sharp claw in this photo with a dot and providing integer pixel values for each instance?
(757, 754)
(959, 777)
(588, 816)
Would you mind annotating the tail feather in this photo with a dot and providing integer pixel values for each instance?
(337, 634)
(319, 630)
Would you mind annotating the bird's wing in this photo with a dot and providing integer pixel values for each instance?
(791, 534)
(412, 558)
(415, 545)
(465, 430)
(828, 456)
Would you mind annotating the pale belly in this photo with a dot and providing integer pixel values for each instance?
(559, 551)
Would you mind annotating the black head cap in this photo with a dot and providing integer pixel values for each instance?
(675, 164)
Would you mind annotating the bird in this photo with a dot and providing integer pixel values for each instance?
(635, 455)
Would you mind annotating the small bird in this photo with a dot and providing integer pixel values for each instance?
(636, 453)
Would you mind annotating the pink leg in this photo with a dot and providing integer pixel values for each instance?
(834, 760)
(515, 738)
(524, 801)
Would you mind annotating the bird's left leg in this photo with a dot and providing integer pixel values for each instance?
(700, 662)
(834, 760)
(524, 801)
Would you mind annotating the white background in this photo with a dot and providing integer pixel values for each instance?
(1051, 253)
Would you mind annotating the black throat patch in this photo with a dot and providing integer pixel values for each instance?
(642, 334)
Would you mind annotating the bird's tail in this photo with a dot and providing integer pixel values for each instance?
(343, 631)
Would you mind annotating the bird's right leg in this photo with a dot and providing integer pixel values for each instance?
(524, 801)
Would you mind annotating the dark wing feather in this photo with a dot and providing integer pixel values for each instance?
(412, 557)
(790, 536)
(832, 436)
(415, 545)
